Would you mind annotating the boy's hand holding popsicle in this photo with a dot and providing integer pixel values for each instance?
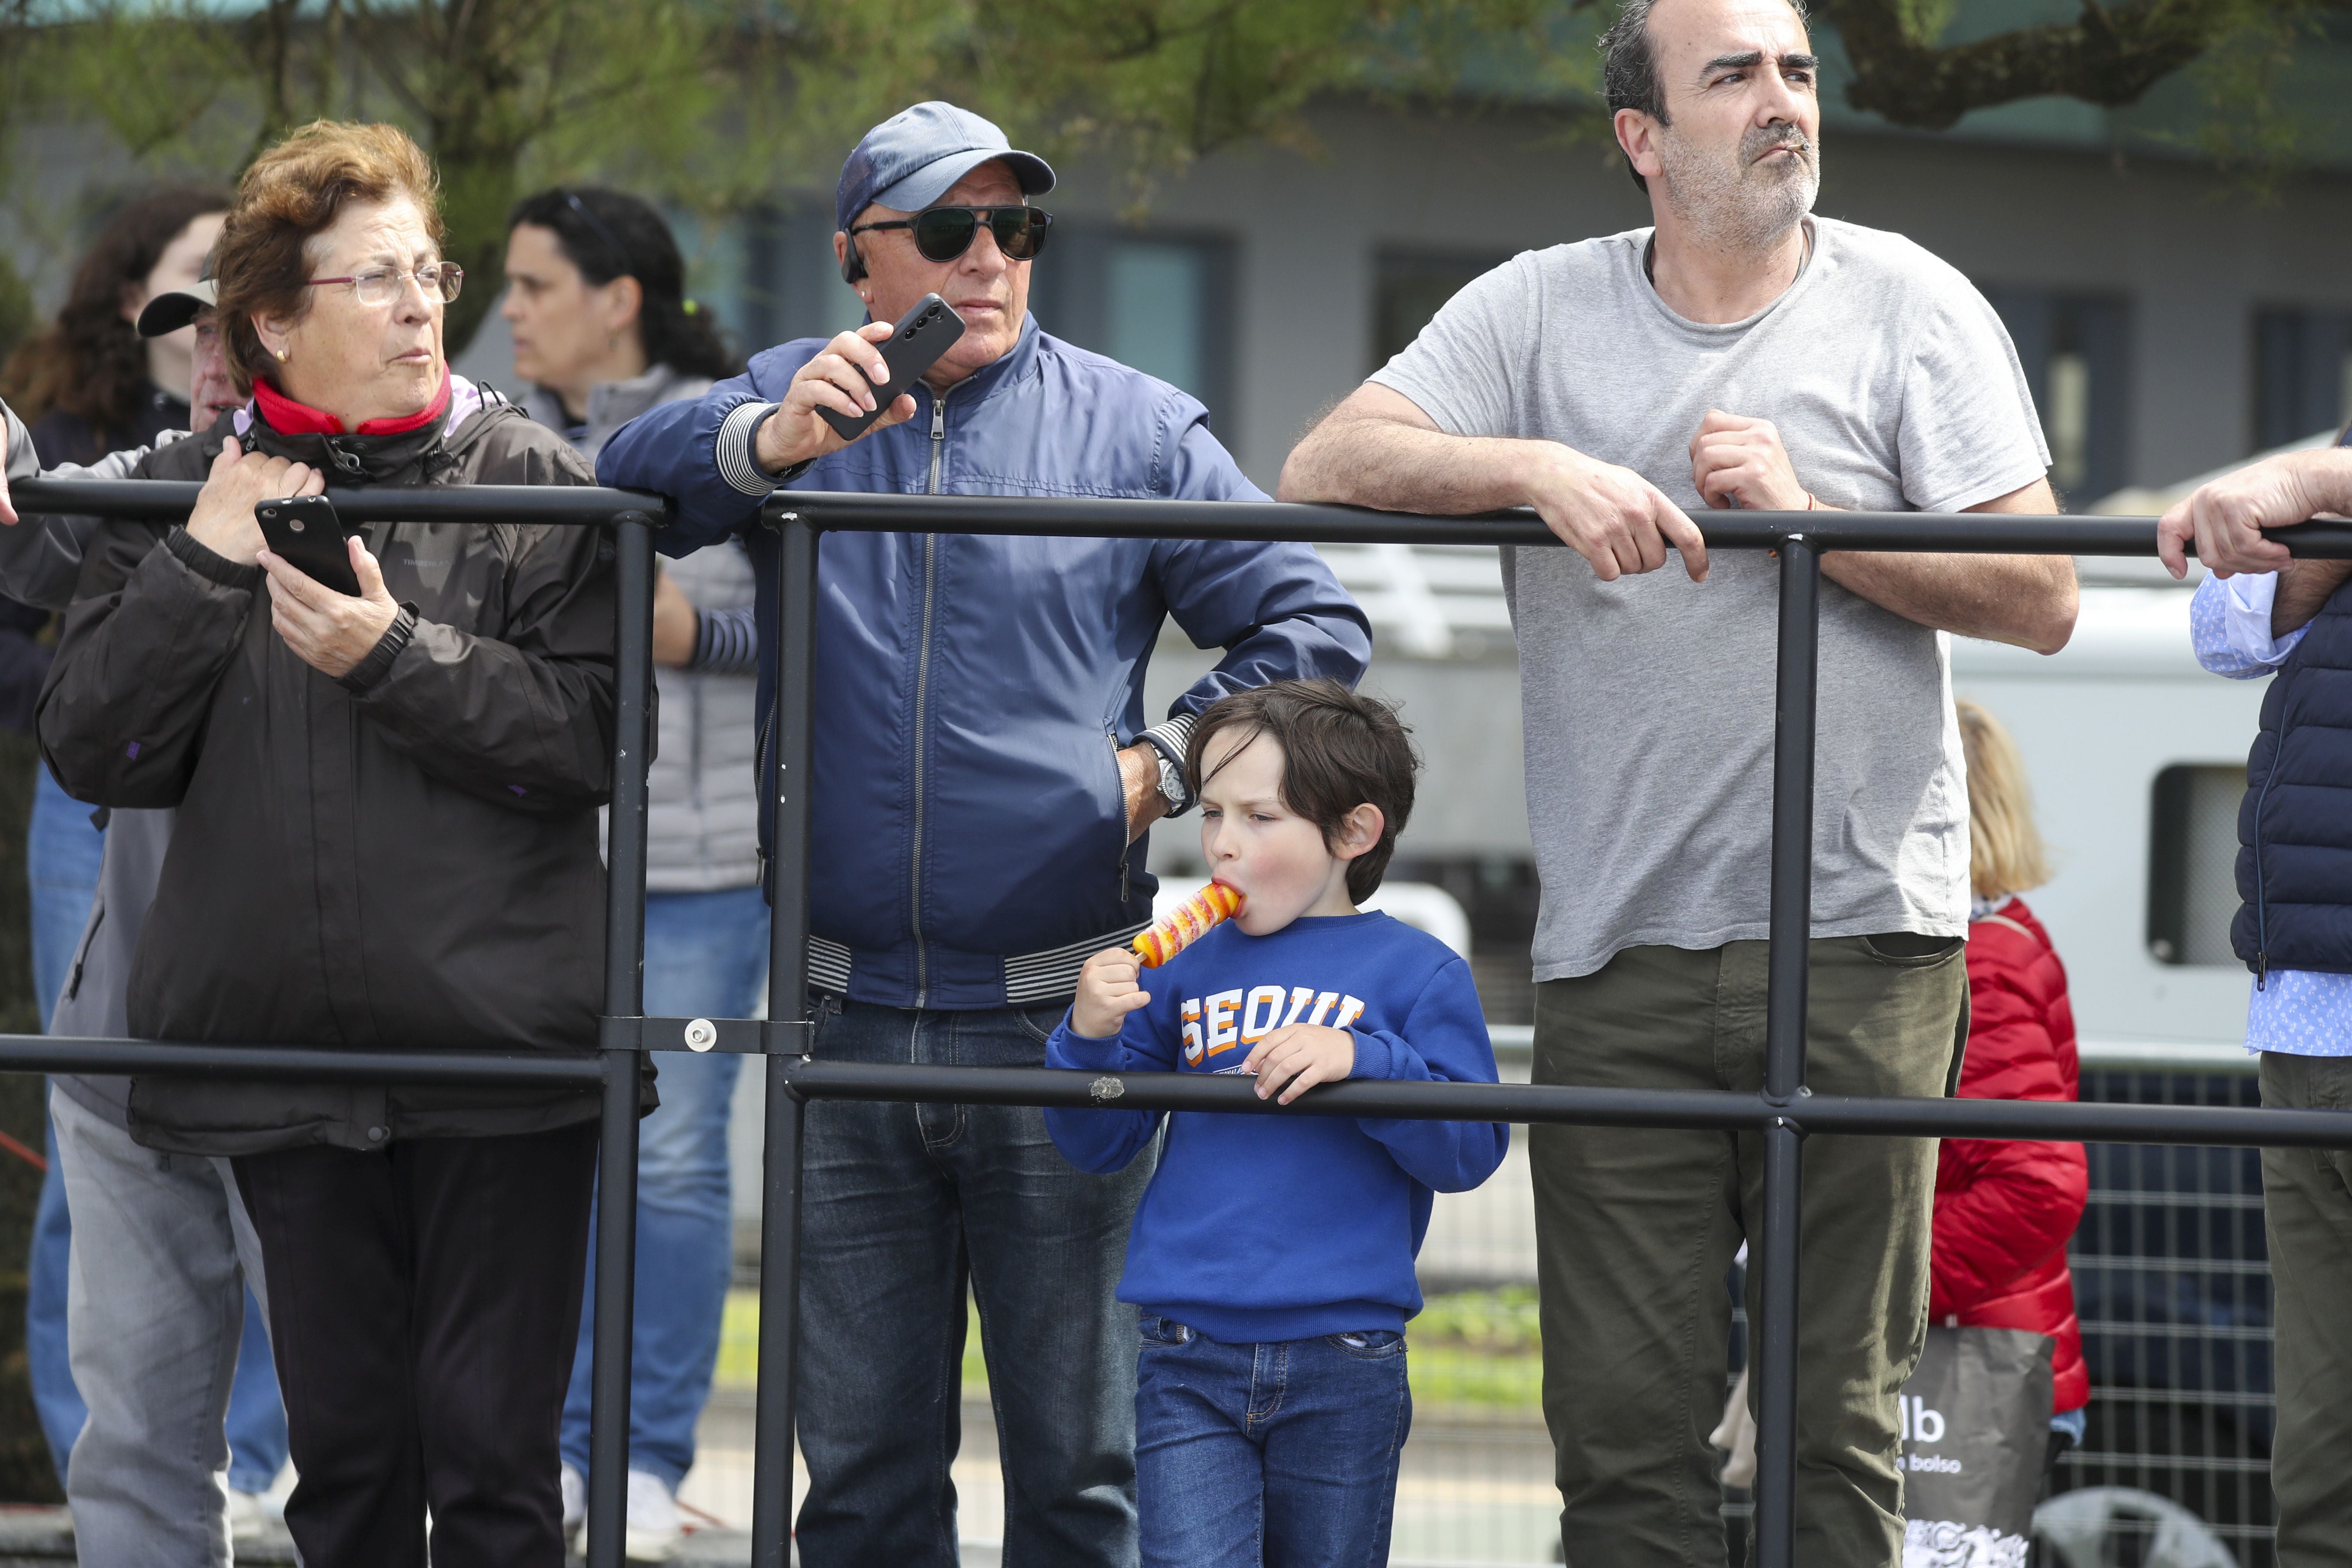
(1107, 985)
(1108, 992)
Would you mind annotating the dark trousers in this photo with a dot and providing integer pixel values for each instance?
(2307, 1210)
(422, 1305)
(904, 1209)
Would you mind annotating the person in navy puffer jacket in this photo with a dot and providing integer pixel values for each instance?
(2261, 612)
(984, 778)
(2006, 1210)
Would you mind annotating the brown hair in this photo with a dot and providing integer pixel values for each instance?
(93, 364)
(1340, 750)
(2005, 851)
(293, 192)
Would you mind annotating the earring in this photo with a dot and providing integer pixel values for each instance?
(283, 356)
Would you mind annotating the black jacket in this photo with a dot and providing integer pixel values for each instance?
(404, 858)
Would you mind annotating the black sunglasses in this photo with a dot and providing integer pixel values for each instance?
(942, 234)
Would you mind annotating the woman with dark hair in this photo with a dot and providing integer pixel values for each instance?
(91, 384)
(595, 300)
(386, 839)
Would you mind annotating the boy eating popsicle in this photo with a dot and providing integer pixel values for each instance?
(1272, 1259)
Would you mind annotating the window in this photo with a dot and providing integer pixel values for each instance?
(2075, 352)
(1411, 287)
(792, 287)
(2192, 880)
(2302, 375)
(1161, 303)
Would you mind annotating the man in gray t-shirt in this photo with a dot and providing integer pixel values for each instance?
(1738, 353)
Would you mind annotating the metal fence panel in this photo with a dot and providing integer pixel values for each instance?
(2222, 1383)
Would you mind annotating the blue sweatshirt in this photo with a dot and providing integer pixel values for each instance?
(1258, 1228)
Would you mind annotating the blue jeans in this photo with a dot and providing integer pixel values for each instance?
(1283, 1455)
(706, 956)
(905, 1207)
(62, 857)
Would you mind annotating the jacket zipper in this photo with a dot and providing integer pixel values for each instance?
(1118, 783)
(922, 699)
(2261, 912)
(939, 437)
(2262, 921)
(766, 782)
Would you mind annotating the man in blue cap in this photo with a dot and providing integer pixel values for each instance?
(984, 778)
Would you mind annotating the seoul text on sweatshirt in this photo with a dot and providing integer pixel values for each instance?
(1267, 1228)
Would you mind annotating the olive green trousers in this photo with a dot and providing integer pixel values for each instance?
(2307, 1214)
(1636, 1230)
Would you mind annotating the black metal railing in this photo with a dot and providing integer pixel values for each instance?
(1784, 1112)
(613, 1069)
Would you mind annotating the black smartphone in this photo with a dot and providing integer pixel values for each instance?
(306, 531)
(921, 336)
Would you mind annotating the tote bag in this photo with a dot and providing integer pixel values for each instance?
(1976, 1437)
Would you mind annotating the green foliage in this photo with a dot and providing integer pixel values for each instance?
(2247, 126)
(1479, 1348)
(1496, 1322)
(713, 103)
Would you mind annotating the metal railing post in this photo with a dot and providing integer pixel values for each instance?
(788, 784)
(625, 989)
(1775, 1341)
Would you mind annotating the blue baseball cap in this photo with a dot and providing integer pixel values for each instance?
(909, 160)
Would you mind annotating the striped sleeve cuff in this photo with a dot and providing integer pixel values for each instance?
(1170, 738)
(734, 449)
(724, 643)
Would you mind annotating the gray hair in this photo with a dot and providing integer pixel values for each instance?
(1629, 67)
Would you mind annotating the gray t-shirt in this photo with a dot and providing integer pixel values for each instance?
(1648, 702)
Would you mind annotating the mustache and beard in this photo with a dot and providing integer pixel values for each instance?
(1733, 202)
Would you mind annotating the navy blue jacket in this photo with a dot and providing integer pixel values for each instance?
(970, 836)
(2294, 827)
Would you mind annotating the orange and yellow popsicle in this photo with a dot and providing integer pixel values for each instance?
(1187, 923)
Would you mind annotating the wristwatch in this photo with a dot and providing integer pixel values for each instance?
(1171, 785)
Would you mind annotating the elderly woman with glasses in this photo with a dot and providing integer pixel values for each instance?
(386, 840)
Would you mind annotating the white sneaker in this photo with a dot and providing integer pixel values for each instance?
(575, 1488)
(653, 1534)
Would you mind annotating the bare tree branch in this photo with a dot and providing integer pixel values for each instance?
(2109, 55)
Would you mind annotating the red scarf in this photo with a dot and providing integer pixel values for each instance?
(288, 418)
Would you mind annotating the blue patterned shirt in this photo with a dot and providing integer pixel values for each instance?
(2296, 1012)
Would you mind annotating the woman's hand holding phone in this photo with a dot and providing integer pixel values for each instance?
(223, 521)
(329, 631)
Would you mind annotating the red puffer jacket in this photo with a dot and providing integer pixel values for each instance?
(2005, 1211)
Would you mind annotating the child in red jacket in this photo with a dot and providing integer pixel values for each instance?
(2005, 1211)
